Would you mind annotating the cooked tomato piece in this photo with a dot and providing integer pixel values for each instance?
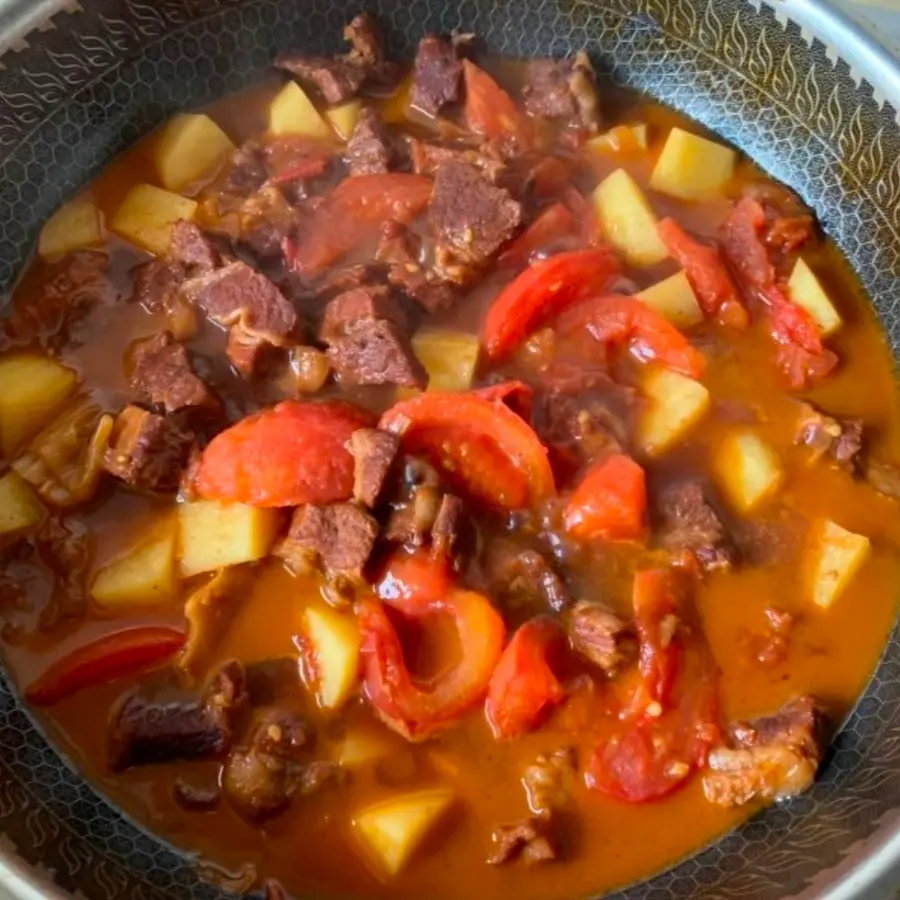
(585, 217)
(111, 656)
(656, 596)
(523, 685)
(412, 580)
(517, 395)
(417, 709)
(289, 454)
(481, 445)
(554, 223)
(609, 502)
(542, 291)
(490, 110)
(742, 238)
(624, 321)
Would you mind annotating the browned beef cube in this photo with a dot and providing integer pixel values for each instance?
(398, 245)
(374, 351)
(527, 840)
(148, 451)
(162, 375)
(401, 249)
(437, 72)
(522, 575)
(369, 149)
(192, 248)
(157, 282)
(336, 79)
(471, 218)
(373, 454)
(600, 636)
(825, 436)
(356, 305)
(247, 172)
(690, 523)
(427, 158)
(565, 90)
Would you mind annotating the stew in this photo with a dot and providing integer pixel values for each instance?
(432, 479)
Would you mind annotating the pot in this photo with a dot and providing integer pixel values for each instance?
(81, 84)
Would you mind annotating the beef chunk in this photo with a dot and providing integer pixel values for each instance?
(266, 219)
(398, 245)
(369, 149)
(373, 454)
(689, 523)
(411, 520)
(437, 72)
(357, 305)
(367, 50)
(771, 648)
(336, 79)
(373, 351)
(447, 525)
(548, 781)
(840, 440)
(470, 217)
(162, 375)
(245, 352)
(149, 730)
(157, 282)
(401, 249)
(523, 576)
(64, 548)
(341, 536)
(883, 477)
(427, 158)
(148, 451)
(601, 636)
(772, 758)
(189, 246)
(564, 89)
(247, 172)
(527, 840)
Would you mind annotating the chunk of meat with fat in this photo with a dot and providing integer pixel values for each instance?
(161, 374)
(840, 440)
(247, 172)
(401, 250)
(772, 757)
(374, 351)
(373, 454)
(527, 840)
(336, 79)
(157, 287)
(193, 249)
(600, 636)
(522, 575)
(565, 90)
(690, 523)
(358, 304)
(369, 147)
(549, 780)
(428, 157)
(436, 76)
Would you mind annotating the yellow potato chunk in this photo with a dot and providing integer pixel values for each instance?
(19, 508)
(392, 830)
(292, 112)
(675, 299)
(836, 556)
(449, 358)
(343, 118)
(805, 289)
(146, 215)
(214, 535)
(32, 389)
(748, 468)
(364, 746)
(627, 219)
(189, 147)
(331, 648)
(691, 167)
(676, 404)
(74, 226)
(144, 574)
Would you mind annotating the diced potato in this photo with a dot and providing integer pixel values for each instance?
(214, 535)
(343, 118)
(19, 508)
(748, 469)
(292, 112)
(146, 215)
(675, 299)
(364, 746)
(692, 167)
(621, 138)
(835, 558)
(627, 219)
(144, 574)
(331, 648)
(391, 831)
(189, 147)
(676, 404)
(395, 109)
(32, 389)
(805, 289)
(75, 225)
(449, 357)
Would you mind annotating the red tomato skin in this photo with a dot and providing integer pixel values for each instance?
(413, 582)
(609, 502)
(490, 110)
(286, 455)
(553, 223)
(111, 656)
(517, 395)
(523, 684)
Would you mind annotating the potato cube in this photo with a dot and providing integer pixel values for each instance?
(392, 830)
(805, 289)
(292, 112)
(189, 147)
(627, 219)
(675, 299)
(449, 358)
(692, 167)
(214, 535)
(622, 138)
(32, 389)
(364, 746)
(748, 469)
(144, 574)
(146, 215)
(19, 507)
(836, 556)
(676, 404)
(395, 108)
(74, 226)
(331, 649)
(343, 118)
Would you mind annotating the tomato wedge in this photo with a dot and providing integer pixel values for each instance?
(609, 502)
(482, 446)
(354, 212)
(542, 291)
(490, 110)
(411, 581)
(523, 684)
(109, 657)
(517, 395)
(290, 454)
(617, 320)
(553, 224)
(715, 290)
(417, 709)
